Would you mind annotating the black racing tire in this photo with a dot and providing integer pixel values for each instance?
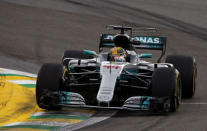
(186, 65)
(48, 81)
(74, 54)
(166, 83)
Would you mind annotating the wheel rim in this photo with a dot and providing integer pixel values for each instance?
(179, 91)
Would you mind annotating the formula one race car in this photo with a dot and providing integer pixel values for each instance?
(118, 78)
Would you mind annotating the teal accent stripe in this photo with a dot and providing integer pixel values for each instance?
(58, 117)
(146, 103)
(109, 44)
(40, 127)
(29, 85)
(15, 75)
(65, 97)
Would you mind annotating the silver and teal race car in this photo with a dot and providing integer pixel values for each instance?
(87, 79)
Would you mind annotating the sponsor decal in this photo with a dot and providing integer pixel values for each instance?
(108, 37)
(113, 66)
(148, 40)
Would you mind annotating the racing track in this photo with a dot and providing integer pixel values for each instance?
(36, 31)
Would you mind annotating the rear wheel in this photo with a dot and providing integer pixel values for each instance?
(166, 83)
(187, 67)
(48, 85)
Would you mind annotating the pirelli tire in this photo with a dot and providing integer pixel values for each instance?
(48, 84)
(77, 54)
(186, 65)
(166, 83)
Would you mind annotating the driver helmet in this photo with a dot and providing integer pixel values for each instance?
(117, 54)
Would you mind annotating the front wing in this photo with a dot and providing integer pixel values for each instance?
(143, 103)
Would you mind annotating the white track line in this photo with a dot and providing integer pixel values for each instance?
(40, 123)
(195, 103)
(8, 71)
(98, 117)
(22, 81)
(64, 113)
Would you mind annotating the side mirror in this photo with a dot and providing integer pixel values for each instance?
(145, 56)
(89, 52)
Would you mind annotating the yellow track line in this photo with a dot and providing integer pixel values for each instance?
(19, 78)
(17, 103)
(72, 121)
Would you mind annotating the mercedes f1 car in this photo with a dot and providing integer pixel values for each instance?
(87, 79)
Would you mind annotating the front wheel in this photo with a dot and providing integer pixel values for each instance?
(166, 83)
(48, 85)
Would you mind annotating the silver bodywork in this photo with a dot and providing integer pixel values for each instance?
(110, 71)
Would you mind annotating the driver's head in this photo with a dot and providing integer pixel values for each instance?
(117, 54)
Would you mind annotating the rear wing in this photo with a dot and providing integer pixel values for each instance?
(106, 40)
(150, 42)
(138, 42)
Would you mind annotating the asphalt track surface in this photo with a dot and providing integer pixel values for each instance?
(33, 32)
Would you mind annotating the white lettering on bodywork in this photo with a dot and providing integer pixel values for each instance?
(109, 37)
